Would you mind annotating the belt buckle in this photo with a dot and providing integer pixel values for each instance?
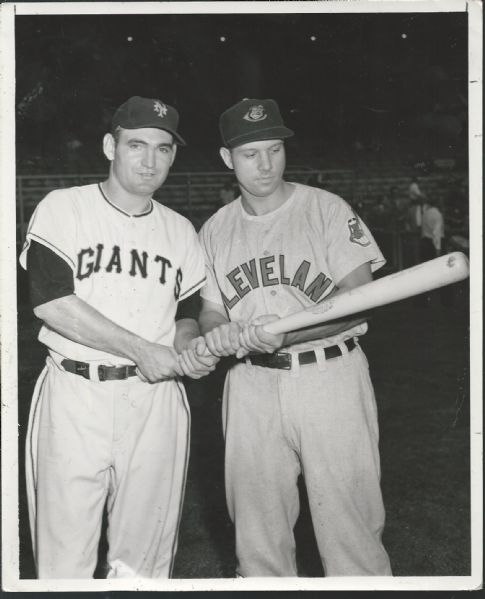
(282, 360)
(102, 373)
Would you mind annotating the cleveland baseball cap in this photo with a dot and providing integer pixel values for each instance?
(140, 113)
(252, 120)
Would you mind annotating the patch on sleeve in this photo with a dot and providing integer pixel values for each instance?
(357, 234)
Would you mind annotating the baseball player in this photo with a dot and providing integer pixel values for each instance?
(112, 275)
(303, 402)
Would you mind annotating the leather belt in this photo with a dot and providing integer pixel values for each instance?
(105, 373)
(283, 360)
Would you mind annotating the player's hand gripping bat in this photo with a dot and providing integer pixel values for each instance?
(424, 277)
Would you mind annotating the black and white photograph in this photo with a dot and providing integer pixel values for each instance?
(241, 317)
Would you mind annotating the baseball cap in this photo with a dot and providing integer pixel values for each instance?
(140, 113)
(252, 120)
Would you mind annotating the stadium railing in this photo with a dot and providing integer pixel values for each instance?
(195, 194)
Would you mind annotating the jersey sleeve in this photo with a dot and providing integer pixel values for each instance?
(189, 307)
(210, 291)
(350, 244)
(50, 277)
(193, 267)
(53, 224)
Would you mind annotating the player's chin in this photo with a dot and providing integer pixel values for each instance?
(261, 191)
(149, 185)
(266, 186)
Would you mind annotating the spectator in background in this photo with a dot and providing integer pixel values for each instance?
(227, 193)
(413, 216)
(456, 203)
(380, 219)
(432, 241)
(432, 230)
(413, 221)
(414, 190)
(397, 207)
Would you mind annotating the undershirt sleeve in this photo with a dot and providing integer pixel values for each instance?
(50, 276)
(189, 308)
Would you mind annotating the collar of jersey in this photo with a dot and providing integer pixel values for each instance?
(269, 215)
(147, 211)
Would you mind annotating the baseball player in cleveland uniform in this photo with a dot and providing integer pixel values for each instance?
(303, 402)
(112, 273)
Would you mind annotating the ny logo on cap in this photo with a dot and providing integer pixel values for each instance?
(255, 113)
(160, 109)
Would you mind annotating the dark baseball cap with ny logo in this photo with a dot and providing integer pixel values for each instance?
(252, 120)
(141, 113)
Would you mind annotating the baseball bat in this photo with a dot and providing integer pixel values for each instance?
(421, 278)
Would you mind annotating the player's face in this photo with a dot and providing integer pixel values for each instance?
(141, 158)
(258, 165)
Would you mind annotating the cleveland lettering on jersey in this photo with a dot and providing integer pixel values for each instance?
(91, 261)
(269, 271)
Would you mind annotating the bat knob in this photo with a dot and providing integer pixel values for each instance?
(459, 263)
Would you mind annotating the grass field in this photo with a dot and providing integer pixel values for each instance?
(419, 364)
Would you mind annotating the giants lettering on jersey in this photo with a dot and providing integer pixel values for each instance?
(91, 261)
(270, 270)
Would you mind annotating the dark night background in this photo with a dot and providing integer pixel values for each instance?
(396, 83)
(383, 95)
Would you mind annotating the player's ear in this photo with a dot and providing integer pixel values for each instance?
(226, 156)
(174, 153)
(109, 146)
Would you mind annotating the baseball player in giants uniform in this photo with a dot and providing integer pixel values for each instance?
(300, 403)
(112, 273)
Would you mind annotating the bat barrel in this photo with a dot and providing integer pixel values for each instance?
(401, 285)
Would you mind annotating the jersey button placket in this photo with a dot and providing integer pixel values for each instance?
(127, 242)
(131, 232)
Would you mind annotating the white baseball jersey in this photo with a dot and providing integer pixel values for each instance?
(286, 260)
(133, 269)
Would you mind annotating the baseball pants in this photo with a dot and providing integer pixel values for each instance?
(123, 443)
(318, 420)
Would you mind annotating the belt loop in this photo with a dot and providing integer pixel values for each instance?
(343, 348)
(295, 365)
(93, 372)
(321, 359)
(345, 353)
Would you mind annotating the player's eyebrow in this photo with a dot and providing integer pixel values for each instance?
(145, 143)
(131, 140)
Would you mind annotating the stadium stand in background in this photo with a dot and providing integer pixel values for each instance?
(193, 187)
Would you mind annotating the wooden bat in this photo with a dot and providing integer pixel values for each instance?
(433, 274)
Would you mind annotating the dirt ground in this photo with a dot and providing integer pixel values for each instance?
(419, 363)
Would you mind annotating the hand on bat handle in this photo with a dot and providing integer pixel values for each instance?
(195, 360)
(238, 338)
(225, 340)
(255, 336)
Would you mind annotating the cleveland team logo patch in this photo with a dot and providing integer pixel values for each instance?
(255, 114)
(357, 234)
(160, 109)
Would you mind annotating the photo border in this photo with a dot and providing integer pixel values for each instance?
(10, 499)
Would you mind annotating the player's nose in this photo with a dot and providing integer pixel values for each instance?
(148, 158)
(264, 161)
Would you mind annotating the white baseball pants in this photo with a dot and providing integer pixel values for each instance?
(318, 420)
(125, 442)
